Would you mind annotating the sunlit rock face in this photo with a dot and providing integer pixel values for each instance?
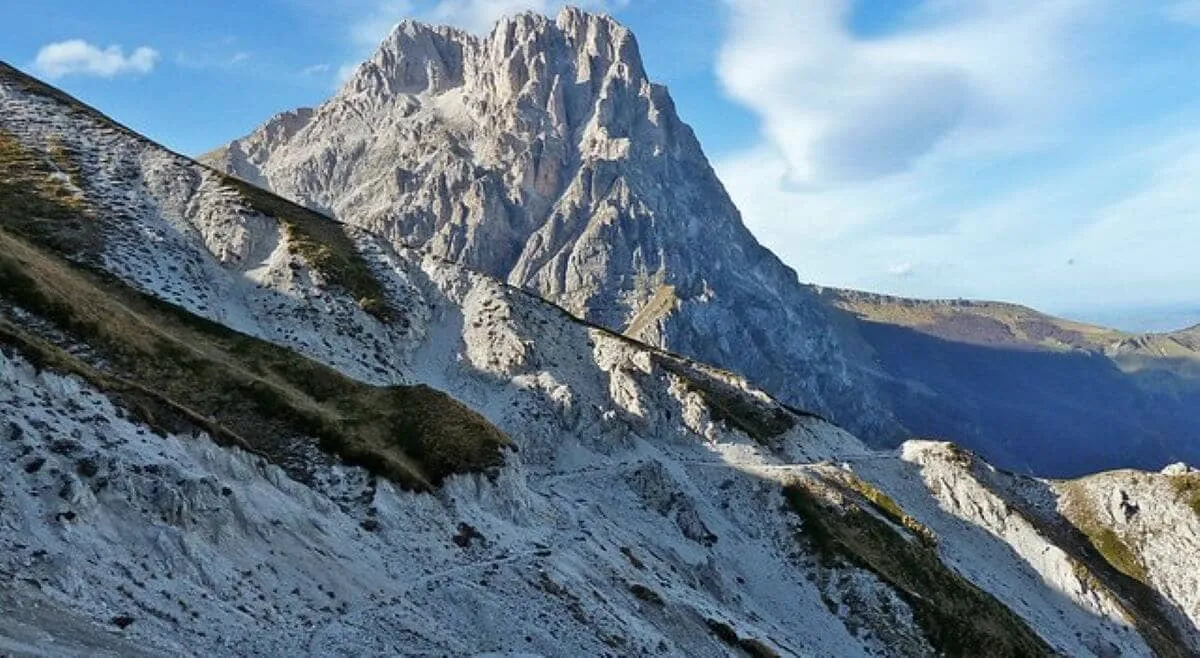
(544, 155)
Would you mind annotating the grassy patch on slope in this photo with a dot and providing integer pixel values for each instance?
(957, 618)
(887, 506)
(1104, 539)
(752, 647)
(759, 420)
(1187, 488)
(177, 371)
(322, 242)
(243, 387)
(38, 205)
(658, 305)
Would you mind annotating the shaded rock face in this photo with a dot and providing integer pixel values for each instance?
(543, 154)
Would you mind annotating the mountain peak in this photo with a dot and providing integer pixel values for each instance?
(520, 50)
(543, 154)
(415, 57)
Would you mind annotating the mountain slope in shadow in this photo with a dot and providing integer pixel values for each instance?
(1031, 392)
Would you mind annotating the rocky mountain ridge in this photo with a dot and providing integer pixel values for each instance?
(543, 155)
(1032, 392)
(650, 505)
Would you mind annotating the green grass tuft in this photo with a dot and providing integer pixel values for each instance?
(1105, 540)
(37, 205)
(888, 507)
(1117, 552)
(727, 404)
(1187, 489)
(646, 594)
(750, 646)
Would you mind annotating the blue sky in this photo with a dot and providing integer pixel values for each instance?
(1038, 151)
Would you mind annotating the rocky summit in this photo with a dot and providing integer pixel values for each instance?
(543, 155)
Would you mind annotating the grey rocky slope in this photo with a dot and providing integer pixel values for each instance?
(543, 155)
(652, 505)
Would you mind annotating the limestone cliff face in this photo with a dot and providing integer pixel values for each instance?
(544, 155)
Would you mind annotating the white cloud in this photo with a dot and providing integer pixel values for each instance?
(78, 57)
(1148, 235)
(213, 55)
(984, 74)
(966, 150)
(1118, 230)
(316, 69)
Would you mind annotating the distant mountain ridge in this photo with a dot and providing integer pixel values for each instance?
(995, 374)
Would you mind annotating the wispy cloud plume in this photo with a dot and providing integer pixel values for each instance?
(841, 107)
(211, 60)
(969, 149)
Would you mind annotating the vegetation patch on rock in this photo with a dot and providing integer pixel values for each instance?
(322, 242)
(1104, 539)
(750, 646)
(885, 505)
(179, 371)
(957, 618)
(1187, 488)
(37, 204)
(761, 421)
(646, 594)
